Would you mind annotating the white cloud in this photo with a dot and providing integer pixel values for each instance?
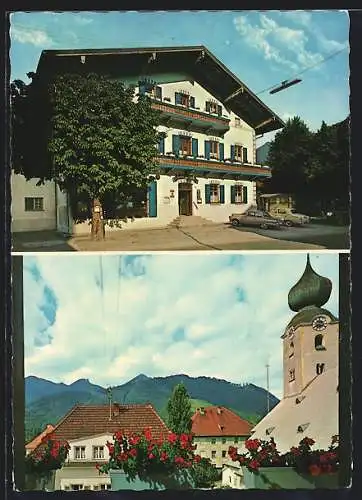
(286, 46)
(181, 316)
(36, 37)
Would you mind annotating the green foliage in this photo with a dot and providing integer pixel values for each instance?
(313, 167)
(179, 410)
(204, 474)
(93, 138)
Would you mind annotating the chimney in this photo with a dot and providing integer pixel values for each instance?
(219, 410)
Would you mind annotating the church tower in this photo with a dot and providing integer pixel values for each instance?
(310, 340)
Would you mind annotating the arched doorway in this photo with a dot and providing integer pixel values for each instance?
(185, 198)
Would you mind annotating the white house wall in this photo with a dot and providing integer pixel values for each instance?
(22, 220)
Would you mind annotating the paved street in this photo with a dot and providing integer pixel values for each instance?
(210, 237)
(332, 237)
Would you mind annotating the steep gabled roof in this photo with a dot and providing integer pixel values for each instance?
(219, 421)
(90, 420)
(34, 443)
(196, 61)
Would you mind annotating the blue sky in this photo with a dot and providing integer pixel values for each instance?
(261, 48)
(108, 318)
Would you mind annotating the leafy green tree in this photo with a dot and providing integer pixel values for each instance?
(179, 411)
(87, 133)
(205, 474)
(289, 157)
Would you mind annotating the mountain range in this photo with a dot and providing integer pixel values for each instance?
(47, 402)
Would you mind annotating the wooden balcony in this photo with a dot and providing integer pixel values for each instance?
(190, 118)
(208, 168)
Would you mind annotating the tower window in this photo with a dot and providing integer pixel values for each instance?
(320, 368)
(291, 375)
(319, 342)
(291, 349)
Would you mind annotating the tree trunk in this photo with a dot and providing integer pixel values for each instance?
(97, 226)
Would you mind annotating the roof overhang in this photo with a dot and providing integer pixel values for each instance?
(196, 61)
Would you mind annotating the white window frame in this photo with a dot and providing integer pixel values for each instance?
(214, 145)
(37, 203)
(98, 452)
(214, 193)
(238, 152)
(81, 450)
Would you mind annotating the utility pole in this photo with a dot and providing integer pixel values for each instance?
(267, 388)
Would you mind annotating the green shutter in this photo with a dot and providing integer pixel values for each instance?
(161, 145)
(222, 194)
(207, 193)
(195, 147)
(245, 155)
(221, 151)
(159, 92)
(192, 101)
(152, 199)
(178, 99)
(219, 110)
(232, 152)
(245, 194)
(232, 193)
(176, 144)
(207, 107)
(207, 150)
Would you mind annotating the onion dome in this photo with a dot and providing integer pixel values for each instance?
(311, 290)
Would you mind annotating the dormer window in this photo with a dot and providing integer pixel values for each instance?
(213, 108)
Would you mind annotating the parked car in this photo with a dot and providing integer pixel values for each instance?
(255, 218)
(289, 216)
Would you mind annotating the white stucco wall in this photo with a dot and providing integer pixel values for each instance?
(22, 220)
(231, 477)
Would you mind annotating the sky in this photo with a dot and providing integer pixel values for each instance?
(108, 318)
(261, 48)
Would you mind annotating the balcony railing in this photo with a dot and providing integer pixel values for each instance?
(192, 117)
(199, 164)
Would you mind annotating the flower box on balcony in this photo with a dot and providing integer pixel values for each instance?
(167, 99)
(179, 480)
(286, 478)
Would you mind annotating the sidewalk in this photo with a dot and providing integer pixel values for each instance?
(215, 237)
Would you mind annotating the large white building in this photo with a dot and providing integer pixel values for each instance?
(207, 162)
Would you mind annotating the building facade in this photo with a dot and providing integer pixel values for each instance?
(309, 406)
(207, 161)
(215, 429)
(87, 429)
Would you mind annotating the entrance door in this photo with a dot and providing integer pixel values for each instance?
(185, 198)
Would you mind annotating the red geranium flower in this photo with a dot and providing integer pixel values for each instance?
(314, 470)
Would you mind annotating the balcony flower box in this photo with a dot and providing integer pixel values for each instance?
(286, 478)
(140, 462)
(300, 468)
(179, 480)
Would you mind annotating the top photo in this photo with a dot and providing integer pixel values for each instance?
(179, 131)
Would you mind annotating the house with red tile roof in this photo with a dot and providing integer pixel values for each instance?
(215, 428)
(35, 442)
(87, 428)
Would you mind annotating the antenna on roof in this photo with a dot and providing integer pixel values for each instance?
(267, 388)
(110, 397)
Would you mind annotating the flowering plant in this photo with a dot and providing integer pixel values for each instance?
(302, 458)
(50, 455)
(260, 453)
(314, 462)
(142, 455)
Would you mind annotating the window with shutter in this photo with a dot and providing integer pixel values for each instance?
(238, 190)
(238, 155)
(158, 92)
(214, 149)
(214, 193)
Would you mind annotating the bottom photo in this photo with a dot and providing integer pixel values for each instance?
(176, 371)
